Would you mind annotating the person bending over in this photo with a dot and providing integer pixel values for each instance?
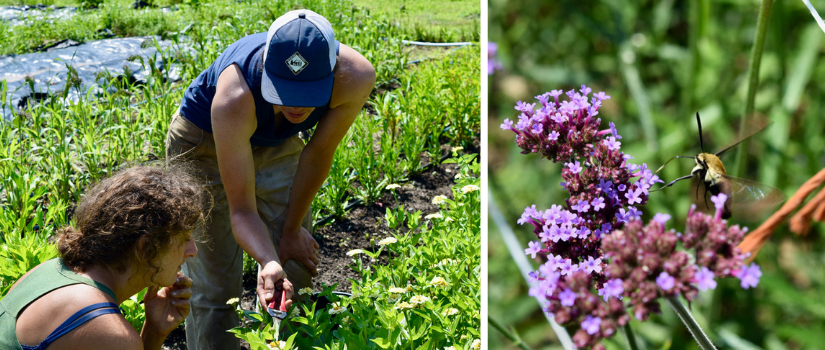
(239, 122)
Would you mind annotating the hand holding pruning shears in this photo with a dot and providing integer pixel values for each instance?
(273, 286)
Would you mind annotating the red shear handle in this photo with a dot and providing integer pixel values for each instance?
(279, 289)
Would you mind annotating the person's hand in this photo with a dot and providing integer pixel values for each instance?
(272, 283)
(301, 247)
(167, 307)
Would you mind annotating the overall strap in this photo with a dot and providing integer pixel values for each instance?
(76, 320)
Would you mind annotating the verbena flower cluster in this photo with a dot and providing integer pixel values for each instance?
(596, 175)
(600, 221)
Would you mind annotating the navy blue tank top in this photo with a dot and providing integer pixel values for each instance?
(247, 53)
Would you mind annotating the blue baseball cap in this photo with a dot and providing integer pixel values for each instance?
(299, 56)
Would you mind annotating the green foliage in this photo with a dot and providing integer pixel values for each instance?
(19, 255)
(427, 296)
(134, 311)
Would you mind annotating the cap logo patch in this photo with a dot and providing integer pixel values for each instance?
(296, 63)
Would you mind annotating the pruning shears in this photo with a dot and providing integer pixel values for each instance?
(277, 310)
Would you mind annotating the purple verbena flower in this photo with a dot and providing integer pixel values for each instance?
(533, 249)
(750, 276)
(591, 324)
(665, 281)
(612, 144)
(704, 279)
(567, 297)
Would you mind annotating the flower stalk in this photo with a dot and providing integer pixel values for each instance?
(690, 322)
(753, 78)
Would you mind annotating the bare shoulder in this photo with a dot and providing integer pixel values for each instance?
(354, 79)
(232, 91)
(110, 331)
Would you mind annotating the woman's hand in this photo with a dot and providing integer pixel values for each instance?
(271, 283)
(167, 307)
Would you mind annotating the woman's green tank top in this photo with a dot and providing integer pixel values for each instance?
(47, 277)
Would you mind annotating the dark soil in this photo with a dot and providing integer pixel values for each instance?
(343, 235)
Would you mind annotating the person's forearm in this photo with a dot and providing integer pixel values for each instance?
(253, 237)
(312, 172)
(151, 339)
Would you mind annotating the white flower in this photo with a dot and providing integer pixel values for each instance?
(337, 309)
(469, 188)
(476, 345)
(450, 348)
(295, 312)
(403, 306)
(388, 240)
(449, 312)
(439, 200)
(449, 219)
(232, 301)
(354, 252)
(396, 290)
(393, 298)
(419, 299)
(458, 176)
(277, 345)
(445, 262)
(305, 290)
(457, 149)
(433, 216)
(355, 295)
(439, 282)
(393, 186)
(345, 319)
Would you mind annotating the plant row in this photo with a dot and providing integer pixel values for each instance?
(426, 297)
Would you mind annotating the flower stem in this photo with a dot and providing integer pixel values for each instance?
(691, 323)
(516, 340)
(753, 78)
(631, 339)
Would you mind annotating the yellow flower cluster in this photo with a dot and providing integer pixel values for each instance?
(403, 306)
(305, 290)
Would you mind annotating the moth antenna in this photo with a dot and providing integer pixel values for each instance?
(668, 161)
(701, 141)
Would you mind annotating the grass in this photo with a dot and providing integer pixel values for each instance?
(431, 20)
(459, 23)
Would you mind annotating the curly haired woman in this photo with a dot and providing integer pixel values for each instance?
(132, 231)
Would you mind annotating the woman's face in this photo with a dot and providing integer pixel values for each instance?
(294, 115)
(183, 247)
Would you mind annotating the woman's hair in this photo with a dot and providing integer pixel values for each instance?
(149, 205)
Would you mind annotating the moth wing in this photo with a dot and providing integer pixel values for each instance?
(751, 199)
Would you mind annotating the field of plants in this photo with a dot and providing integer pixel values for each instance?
(660, 62)
(401, 203)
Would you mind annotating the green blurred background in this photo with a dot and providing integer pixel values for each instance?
(662, 61)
